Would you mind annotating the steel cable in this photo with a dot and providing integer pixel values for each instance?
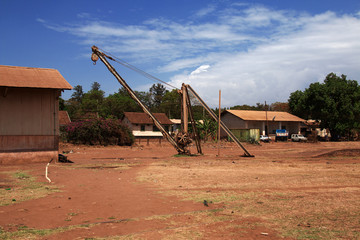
(128, 65)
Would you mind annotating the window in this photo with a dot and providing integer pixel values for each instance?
(142, 128)
(155, 129)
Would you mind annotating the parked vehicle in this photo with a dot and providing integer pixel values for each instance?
(281, 135)
(265, 138)
(298, 138)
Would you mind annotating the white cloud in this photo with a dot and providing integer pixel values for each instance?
(203, 68)
(255, 53)
(205, 11)
(272, 70)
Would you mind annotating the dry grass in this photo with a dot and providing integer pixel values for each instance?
(23, 187)
(299, 197)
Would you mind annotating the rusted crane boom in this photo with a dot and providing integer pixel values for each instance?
(223, 126)
(98, 54)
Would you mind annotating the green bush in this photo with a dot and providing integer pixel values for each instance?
(98, 131)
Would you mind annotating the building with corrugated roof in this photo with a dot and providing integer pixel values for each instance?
(64, 118)
(29, 114)
(142, 125)
(267, 122)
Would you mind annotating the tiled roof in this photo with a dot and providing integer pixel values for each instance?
(11, 76)
(261, 116)
(143, 118)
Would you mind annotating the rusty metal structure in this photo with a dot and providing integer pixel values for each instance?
(97, 54)
(223, 126)
(183, 139)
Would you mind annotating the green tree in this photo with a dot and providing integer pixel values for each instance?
(297, 104)
(77, 94)
(280, 107)
(336, 102)
(207, 129)
(116, 104)
(157, 92)
(92, 100)
(95, 86)
(61, 104)
(73, 105)
(144, 97)
(258, 107)
(170, 104)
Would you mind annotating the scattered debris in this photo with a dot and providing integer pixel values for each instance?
(64, 159)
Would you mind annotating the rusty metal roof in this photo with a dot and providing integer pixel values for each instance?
(11, 76)
(261, 116)
(143, 118)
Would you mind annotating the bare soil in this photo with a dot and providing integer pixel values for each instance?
(287, 191)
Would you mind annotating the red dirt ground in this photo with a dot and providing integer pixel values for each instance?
(108, 201)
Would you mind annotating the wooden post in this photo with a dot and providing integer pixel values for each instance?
(219, 127)
(185, 110)
(267, 123)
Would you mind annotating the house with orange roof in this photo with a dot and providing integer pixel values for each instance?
(266, 121)
(142, 125)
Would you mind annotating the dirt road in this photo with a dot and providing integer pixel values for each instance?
(146, 192)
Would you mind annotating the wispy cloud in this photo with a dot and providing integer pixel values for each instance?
(205, 11)
(253, 53)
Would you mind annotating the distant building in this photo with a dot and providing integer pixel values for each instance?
(264, 121)
(142, 125)
(29, 114)
(176, 125)
(64, 118)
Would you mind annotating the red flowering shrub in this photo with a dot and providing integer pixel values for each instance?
(98, 131)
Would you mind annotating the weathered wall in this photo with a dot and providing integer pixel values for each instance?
(233, 122)
(28, 123)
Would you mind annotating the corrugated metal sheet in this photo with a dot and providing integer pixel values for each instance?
(146, 134)
(261, 116)
(143, 118)
(11, 76)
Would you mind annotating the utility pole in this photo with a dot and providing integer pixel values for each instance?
(267, 123)
(185, 119)
(219, 126)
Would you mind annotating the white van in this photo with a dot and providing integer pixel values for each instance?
(298, 138)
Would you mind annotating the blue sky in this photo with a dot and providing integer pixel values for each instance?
(254, 51)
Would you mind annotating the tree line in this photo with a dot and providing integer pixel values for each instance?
(158, 99)
(335, 103)
(82, 104)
